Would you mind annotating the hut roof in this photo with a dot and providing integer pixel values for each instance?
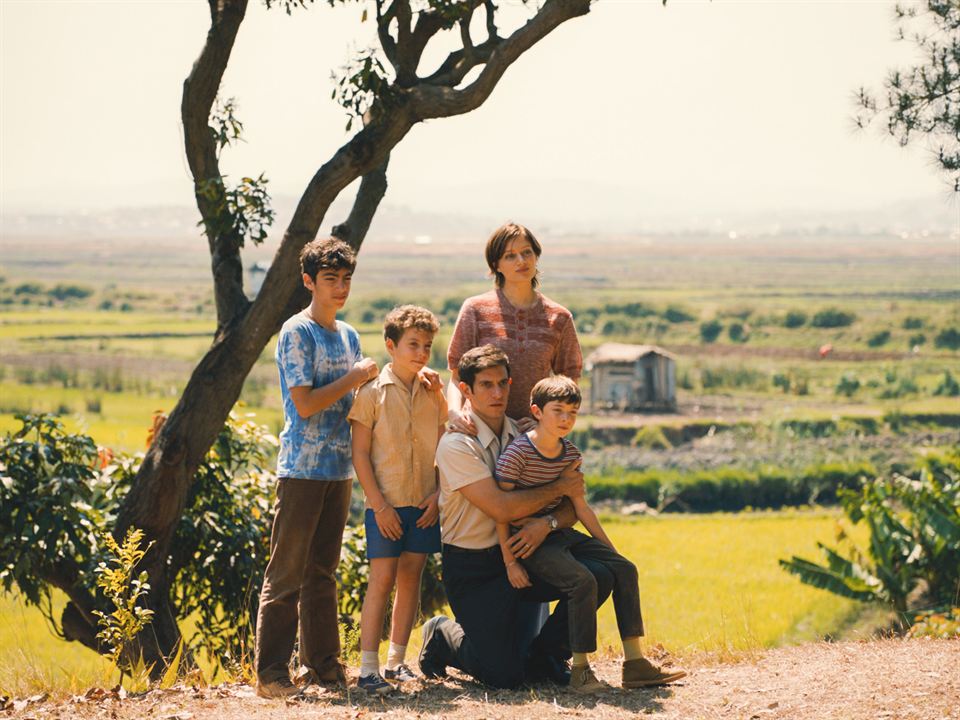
(623, 353)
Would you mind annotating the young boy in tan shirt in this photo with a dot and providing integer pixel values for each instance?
(396, 425)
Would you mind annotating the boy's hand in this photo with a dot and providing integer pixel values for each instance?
(431, 511)
(461, 422)
(430, 379)
(518, 576)
(526, 424)
(367, 368)
(570, 482)
(388, 522)
(533, 531)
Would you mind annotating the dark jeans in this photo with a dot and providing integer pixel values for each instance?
(300, 580)
(560, 562)
(484, 641)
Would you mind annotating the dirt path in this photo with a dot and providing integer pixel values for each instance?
(917, 679)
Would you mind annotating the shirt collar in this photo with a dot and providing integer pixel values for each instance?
(486, 436)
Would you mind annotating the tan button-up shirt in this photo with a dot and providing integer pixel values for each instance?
(464, 460)
(404, 425)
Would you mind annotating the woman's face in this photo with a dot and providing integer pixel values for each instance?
(518, 264)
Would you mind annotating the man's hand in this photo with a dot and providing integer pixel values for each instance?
(525, 424)
(518, 576)
(367, 368)
(533, 531)
(570, 482)
(388, 522)
(430, 379)
(461, 422)
(431, 511)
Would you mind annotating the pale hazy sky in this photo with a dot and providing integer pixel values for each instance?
(696, 107)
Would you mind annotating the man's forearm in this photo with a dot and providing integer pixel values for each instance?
(526, 501)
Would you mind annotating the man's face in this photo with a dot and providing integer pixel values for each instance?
(331, 288)
(490, 392)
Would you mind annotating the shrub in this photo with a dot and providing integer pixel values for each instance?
(879, 339)
(833, 318)
(677, 314)
(62, 291)
(795, 319)
(710, 331)
(848, 385)
(916, 340)
(948, 338)
(782, 381)
(912, 323)
(737, 332)
(948, 387)
(28, 288)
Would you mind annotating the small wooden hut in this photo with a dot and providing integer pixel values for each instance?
(632, 377)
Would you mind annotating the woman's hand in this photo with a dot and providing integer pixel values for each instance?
(517, 576)
(533, 531)
(430, 379)
(388, 522)
(431, 511)
(461, 422)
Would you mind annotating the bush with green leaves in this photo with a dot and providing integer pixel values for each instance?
(948, 339)
(833, 318)
(879, 339)
(59, 492)
(848, 385)
(948, 387)
(795, 319)
(710, 330)
(913, 557)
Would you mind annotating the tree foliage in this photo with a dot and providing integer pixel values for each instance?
(924, 100)
(914, 550)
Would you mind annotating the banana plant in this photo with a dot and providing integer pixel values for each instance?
(914, 546)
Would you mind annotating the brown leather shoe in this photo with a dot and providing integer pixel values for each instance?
(584, 682)
(331, 674)
(643, 673)
(281, 688)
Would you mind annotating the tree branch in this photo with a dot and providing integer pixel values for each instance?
(199, 93)
(373, 187)
(432, 101)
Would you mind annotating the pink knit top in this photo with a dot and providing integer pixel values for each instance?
(540, 341)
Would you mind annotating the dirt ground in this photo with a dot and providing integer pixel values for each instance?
(916, 679)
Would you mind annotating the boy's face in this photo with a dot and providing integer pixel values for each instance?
(331, 288)
(556, 417)
(412, 352)
(490, 392)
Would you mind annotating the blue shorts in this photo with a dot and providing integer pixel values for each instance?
(413, 540)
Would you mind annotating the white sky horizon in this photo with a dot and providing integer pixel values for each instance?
(634, 111)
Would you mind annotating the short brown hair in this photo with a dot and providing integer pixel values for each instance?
(326, 254)
(478, 359)
(404, 317)
(497, 245)
(558, 388)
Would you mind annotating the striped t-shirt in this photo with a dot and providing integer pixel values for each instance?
(521, 464)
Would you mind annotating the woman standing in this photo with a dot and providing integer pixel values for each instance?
(536, 333)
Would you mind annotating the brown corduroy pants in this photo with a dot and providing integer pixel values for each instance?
(300, 580)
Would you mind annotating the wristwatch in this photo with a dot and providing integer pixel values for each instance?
(552, 521)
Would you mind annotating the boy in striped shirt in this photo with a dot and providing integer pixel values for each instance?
(538, 457)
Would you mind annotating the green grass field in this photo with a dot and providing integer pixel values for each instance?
(707, 583)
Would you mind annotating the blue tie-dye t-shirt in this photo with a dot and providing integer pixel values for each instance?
(317, 447)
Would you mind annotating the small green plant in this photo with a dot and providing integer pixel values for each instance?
(738, 332)
(929, 624)
(916, 340)
(782, 381)
(848, 385)
(651, 437)
(912, 323)
(948, 387)
(115, 578)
